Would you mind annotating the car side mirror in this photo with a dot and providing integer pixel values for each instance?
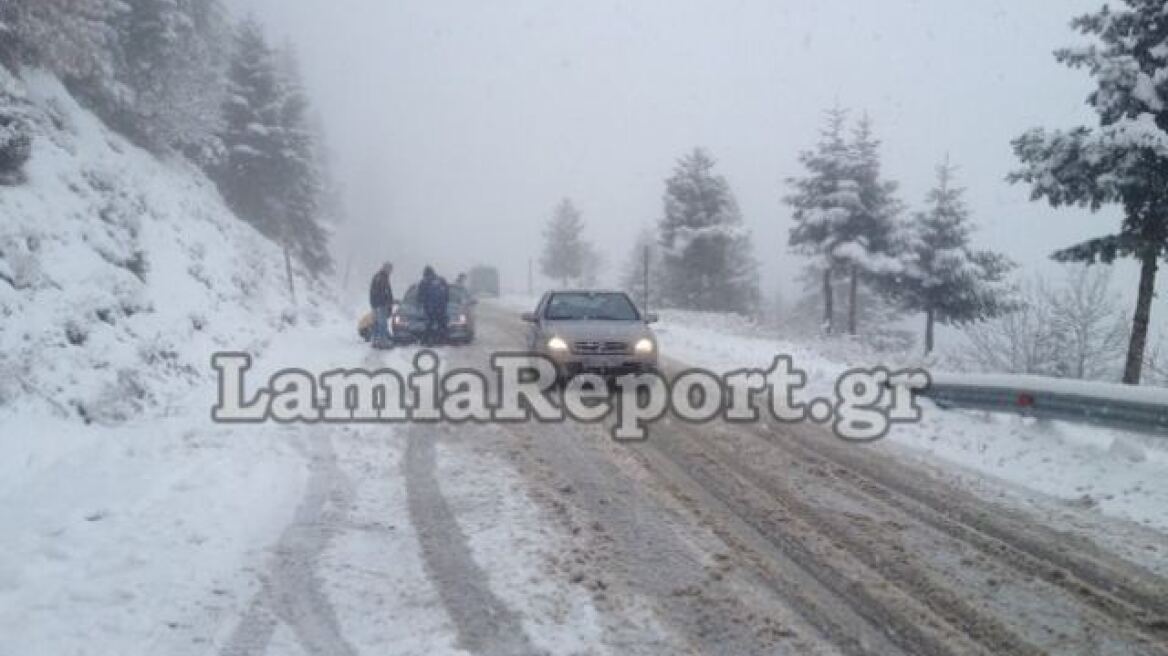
(529, 317)
(651, 317)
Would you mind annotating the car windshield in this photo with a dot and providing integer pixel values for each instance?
(583, 306)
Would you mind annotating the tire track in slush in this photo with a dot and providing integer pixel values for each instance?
(292, 590)
(1120, 589)
(1116, 590)
(485, 625)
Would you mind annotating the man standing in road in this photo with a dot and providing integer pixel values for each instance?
(434, 294)
(381, 301)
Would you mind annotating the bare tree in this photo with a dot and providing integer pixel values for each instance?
(1089, 324)
(1072, 330)
(1021, 342)
(1156, 363)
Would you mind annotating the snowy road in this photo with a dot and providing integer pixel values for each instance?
(705, 539)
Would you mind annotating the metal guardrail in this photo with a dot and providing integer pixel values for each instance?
(1029, 396)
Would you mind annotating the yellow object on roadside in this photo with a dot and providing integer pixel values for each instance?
(365, 326)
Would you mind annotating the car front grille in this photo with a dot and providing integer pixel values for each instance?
(600, 347)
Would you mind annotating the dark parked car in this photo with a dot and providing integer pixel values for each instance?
(409, 319)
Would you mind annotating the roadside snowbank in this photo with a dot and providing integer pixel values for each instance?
(1120, 474)
(1085, 388)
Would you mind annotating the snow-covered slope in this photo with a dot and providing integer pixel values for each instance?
(127, 516)
(119, 274)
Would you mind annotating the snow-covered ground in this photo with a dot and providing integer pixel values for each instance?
(1119, 473)
(127, 515)
(133, 524)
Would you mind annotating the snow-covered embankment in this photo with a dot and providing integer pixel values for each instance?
(125, 515)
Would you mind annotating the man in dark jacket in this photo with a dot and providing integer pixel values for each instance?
(381, 301)
(433, 294)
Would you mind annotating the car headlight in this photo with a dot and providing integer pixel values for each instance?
(557, 344)
(644, 345)
(460, 320)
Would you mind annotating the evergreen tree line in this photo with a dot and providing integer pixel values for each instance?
(850, 222)
(841, 215)
(180, 77)
(848, 219)
(700, 257)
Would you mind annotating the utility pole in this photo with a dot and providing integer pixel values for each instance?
(645, 279)
(288, 266)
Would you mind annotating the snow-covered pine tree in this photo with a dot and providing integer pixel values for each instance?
(247, 174)
(866, 244)
(943, 277)
(270, 168)
(152, 69)
(706, 249)
(172, 59)
(592, 266)
(564, 250)
(300, 170)
(844, 211)
(828, 196)
(75, 39)
(1124, 160)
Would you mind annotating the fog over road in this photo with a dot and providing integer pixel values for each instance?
(716, 538)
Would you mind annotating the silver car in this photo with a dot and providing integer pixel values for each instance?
(595, 331)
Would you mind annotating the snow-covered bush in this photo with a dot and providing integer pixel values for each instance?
(883, 331)
(15, 145)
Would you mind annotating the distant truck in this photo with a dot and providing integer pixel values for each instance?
(483, 281)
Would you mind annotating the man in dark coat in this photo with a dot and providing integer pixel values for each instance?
(381, 301)
(434, 294)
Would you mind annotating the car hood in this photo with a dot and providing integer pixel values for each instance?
(598, 330)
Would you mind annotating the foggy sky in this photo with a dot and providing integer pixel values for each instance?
(457, 126)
